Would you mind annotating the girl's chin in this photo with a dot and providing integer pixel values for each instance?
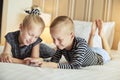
(60, 48)
(26, 44)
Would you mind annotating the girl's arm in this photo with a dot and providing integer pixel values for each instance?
(20, 61)
(7, 49)
(6, 55)
(35, 54)
(35, 51)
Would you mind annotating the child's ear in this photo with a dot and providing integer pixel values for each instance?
(72, 35)
(21, 26)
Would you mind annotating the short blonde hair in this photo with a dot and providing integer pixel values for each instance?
(63, 20)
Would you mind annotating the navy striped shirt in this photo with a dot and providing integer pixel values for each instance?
(79, 56)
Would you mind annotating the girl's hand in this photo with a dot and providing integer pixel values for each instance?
(4, 57)
(33, 61)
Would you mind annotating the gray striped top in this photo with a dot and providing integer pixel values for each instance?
(79, 56)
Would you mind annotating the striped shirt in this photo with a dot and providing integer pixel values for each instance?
(79, 56)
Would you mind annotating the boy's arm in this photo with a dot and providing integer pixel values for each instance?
(55, 61)
(49, 65)
(56, 57)
(76, 62)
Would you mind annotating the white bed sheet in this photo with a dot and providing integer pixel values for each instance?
(109, 71)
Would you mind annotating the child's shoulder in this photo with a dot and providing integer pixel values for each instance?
(13, 32)
(79, 42)
(12, 35)
(79, 39)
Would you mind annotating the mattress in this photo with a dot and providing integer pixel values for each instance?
(109, 71)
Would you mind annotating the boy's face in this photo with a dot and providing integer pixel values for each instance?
(62, 38)
(29, 34)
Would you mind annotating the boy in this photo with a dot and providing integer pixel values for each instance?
(75, 50)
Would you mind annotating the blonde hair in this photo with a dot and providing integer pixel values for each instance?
(63, 20)
(33, 16)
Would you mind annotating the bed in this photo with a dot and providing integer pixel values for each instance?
(109, 71)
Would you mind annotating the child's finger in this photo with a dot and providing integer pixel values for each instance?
(27, 62)
(28, 58)
(7, 61)
(4, 59)
(10, 59)
(1, 60)
(37, 64)
(34, 60)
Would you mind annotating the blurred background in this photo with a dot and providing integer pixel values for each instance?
(12, 14)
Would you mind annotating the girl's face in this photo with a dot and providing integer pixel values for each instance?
(62, 39)
(29, 34)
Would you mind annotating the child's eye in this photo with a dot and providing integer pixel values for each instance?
(36, 37)
(60, 40)
(30, 34)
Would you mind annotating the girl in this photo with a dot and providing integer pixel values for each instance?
(26, 41)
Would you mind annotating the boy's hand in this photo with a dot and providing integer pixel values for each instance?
(33, 61)
(49, 65)
(4, 57)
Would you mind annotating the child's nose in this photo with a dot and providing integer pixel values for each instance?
(31, 39)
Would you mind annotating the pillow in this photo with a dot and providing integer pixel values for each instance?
(83, 28)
